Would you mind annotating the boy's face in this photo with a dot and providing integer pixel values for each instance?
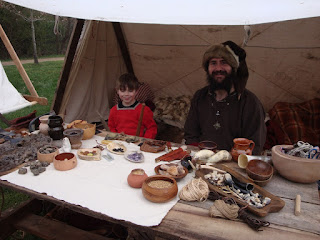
(127, 96)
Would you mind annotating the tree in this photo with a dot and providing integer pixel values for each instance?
(27, 15)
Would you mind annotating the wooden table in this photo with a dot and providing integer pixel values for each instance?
(185, 220)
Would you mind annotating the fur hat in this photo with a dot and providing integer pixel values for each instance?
(235, 57)
(220, 51)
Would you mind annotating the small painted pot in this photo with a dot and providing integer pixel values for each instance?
(136, 178)
(65, 161)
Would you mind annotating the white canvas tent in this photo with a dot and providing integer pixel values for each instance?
(163, 44)
(11, 100)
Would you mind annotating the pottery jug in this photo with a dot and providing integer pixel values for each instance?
(241, 146)
(55, 127)
(43, 126)
(136, 178)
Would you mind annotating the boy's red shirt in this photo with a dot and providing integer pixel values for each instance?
(125, 119)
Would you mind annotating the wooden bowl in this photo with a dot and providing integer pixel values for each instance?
(89, 129)
(159, 188)
(47, 157)
(296, 169)
(262, 183)
(157, 168)
(65, 161)
(209, 145)
(259, 170)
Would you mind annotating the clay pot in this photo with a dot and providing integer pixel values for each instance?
(65, 161)
(55, 127)
(136, 178)
(74, 135)
(47, 157)
(241, 146)
(44, 127)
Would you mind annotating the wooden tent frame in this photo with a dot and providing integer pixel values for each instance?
(33, 97)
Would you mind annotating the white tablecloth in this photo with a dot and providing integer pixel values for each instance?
(101, 186)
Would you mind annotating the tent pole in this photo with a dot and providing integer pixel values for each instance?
(17, 62)
(123, 46)
(64, 77)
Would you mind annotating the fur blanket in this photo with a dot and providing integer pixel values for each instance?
(172, 111)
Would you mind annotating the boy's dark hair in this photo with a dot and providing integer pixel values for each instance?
(127, 80)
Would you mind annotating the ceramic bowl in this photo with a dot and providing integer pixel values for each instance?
(159, 188)
(47, 157)
(65, 161)
(259, 170)
(89, 129)
(296, 169)
(209, 145)
(158, 171)
(89, 154)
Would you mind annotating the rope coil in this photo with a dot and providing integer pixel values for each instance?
(196, 190)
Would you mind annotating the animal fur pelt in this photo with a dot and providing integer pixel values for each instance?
(169, 109)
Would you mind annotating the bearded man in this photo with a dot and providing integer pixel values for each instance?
(225, 109)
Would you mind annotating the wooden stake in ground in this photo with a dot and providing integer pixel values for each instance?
(17, 62)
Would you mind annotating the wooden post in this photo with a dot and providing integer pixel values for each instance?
(17, 62)
(140, 120)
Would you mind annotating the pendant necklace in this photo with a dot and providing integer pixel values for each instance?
(217, 125)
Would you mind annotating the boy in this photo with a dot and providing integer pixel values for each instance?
(124, 116)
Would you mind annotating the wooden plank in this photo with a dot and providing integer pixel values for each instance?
(40, 100)
(53, 229)
(10, 215)
(123, 46)
(307, 221)
(190, 222)
(284, 188)
(64, 77)
(3, 119)
(17, 62)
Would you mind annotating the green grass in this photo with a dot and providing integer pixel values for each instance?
(44, 77)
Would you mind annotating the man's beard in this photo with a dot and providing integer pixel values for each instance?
(226, 83)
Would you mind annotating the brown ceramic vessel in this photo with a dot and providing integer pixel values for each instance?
(241, 146)
(65, 161)
(74, 135)
(157, 194)
(47, 157)
(136, 178)
(259, 170)
(296, 169)
(209, 145)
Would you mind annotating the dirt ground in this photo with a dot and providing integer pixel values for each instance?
(31, 61)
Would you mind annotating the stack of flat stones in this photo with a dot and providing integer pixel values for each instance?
(36, 167)
(47, 149)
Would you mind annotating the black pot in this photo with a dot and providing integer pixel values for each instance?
(55, 127)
